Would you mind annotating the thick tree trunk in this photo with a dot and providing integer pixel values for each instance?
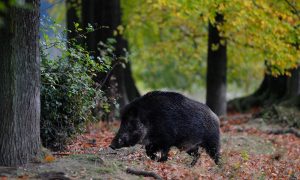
(72, 17)
(131, 89)
(107, 14)
(281, 90)
(272, 90)
(292, 96)
(88, 16)
(216, 69)
(20, 86)
(293, 84)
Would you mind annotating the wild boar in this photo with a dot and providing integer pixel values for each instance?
(160, 120)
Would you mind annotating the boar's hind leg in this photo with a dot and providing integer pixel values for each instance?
(195, 153)
(213, 150)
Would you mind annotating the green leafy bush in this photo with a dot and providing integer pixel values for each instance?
(68, 92)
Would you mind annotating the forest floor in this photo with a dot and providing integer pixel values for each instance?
(249, 151)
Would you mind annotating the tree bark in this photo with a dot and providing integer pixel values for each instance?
(107, 14)
(293, 84)
(88, 16)
(281, 90)
(292, 96)
(72, 17)
(20, 85)
(216, 69)
(131, 89)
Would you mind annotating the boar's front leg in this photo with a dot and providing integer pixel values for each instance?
(151, 150)
(196, 155)
(164, 154)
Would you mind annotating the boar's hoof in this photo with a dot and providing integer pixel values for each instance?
(151, 151)
(151, 156)
(217, 160)
(163, 159)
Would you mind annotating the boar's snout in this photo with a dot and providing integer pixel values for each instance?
(116, 143)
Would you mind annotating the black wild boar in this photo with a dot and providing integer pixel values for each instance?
(160, 120)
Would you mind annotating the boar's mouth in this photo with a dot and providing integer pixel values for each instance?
(116, 145)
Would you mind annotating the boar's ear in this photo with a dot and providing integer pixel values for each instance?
(129, 111)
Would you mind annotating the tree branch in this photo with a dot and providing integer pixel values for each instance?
(293, 7)
(107, 75)
(285, 131)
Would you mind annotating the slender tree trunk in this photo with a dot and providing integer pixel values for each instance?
(20, 86)
(216, 69)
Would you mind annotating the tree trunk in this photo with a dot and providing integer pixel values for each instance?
(131, 89)
(72, 17)
(293, 84)
(292, 97)
(88, 16)
(107, 14)
(20, 85)
(281, 90)
(216, 69)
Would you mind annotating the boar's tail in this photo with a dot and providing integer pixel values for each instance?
(210, 120)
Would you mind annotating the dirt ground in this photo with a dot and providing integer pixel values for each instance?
(249, 151)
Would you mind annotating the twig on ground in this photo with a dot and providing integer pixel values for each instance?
(285, 131)
(143, 173)
(53, 175)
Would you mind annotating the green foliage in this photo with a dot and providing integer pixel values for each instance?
(68, 92)
(245, 155)
(270, 29)
(58, 10)
(166, 48)
(168, 39)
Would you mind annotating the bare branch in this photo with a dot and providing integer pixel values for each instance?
(107, 75)
(285, 131)
(143, 173)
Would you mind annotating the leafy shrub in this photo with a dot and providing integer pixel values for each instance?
(68, 92)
